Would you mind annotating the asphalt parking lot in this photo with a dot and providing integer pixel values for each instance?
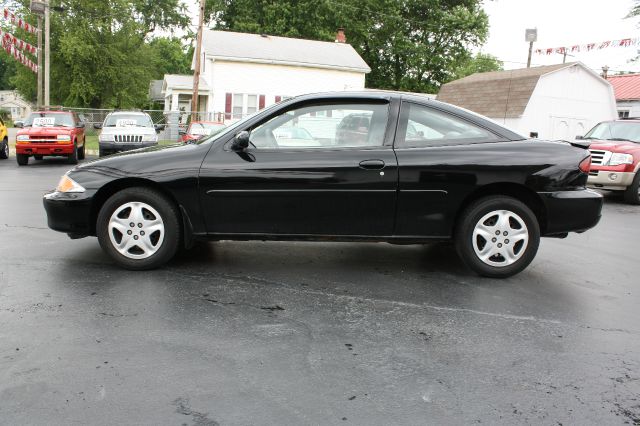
(312, 333)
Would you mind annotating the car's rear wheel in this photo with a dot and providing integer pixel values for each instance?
(139, 228)
(632, 194)
(73, 157)
(497, 236)
(4, 149)
(23, 159)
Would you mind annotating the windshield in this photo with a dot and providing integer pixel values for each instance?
(616, 131)
(128, 120)
(49, 119)
(205, 129)
(235, 125)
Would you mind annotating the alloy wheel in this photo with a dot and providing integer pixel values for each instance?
(136, 230)
(500, 238)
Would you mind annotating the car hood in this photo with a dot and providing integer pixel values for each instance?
(615, 146)
(132, 130)
(44, 131)
(155, 163)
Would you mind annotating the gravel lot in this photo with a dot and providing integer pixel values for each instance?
(312, 333)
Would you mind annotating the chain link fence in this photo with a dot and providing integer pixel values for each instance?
(171, 122)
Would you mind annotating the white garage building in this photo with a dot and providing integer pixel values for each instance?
(242, 73)
(554, 102)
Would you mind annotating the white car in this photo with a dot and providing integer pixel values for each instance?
(126, 130)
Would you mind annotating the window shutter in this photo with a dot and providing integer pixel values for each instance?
(227, 106)
(278, 99)
(261, 102)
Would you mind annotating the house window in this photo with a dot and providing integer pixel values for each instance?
(238, 105)
(623, 113)
(252, 104)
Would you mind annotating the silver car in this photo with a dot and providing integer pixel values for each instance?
(126, 130)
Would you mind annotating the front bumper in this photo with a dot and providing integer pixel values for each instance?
(605, 179)
(125, 146)
(44, 148)
(70, 212)
(571, 211)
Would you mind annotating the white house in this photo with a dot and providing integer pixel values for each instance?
(11, 101)
(627, 90)
(553, 102)
(242, 73)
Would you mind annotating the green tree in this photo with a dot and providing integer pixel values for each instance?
(481, 62)
(101, 55)
(7, 70)
(412, 45)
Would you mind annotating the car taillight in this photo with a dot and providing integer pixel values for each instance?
(585, 165)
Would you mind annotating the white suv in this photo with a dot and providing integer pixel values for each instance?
(126, 130)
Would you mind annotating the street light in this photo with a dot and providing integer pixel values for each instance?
(530, 35)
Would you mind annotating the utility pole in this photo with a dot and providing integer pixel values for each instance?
(39, 62)
(196, 75)
(47, 49)
(530, 35)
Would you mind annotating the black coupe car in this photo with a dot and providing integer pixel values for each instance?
(380, 166)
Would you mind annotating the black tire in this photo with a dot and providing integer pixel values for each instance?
(103, 152)
(23, 159)
(81, 151)
(38, 157)
(4, 149)
(167, 211)
(497, 266)
(632, 193)
(73, 158)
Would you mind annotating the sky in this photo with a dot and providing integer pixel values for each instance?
(561, 23)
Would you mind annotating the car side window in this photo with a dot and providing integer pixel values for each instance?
(430, 127)
(348, 125)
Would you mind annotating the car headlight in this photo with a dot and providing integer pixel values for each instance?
(64, 137)
(149, 138)
(67, 184)
(22, 138)
(617, 159)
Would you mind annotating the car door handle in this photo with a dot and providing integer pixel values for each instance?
(372, 164)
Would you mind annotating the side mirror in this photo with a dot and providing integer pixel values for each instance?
(80, 126)
(241, 141)
(579, 137)
(19, 124)
(97, 126)
(159, 127)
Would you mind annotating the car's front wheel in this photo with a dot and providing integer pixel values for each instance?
(22, 159)
(139, 228)
(632, 193)
(497, 236)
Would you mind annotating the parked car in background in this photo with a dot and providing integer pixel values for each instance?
(126, 130)
(4, 141)
(51, 133)
(455, 176)
(199, 129)
(615, 158)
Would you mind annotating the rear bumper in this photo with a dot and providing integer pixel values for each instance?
(571, 211)
(611, 180)
(125, 146)
(70, 212)
(44, 148)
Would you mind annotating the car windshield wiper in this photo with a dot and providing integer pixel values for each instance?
(619, 140)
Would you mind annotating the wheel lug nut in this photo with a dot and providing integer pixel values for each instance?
(497, 232)
(142, 233)
(499, 245)
(135, 237)
(139, 225)
(506, 241)
(132, 224)
(129, 232)
(506, 233)
(493, 240)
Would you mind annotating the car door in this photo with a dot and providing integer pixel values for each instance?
(440, 159)
(305, 174)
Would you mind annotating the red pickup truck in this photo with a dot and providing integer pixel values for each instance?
(615, 158)
(45, 133)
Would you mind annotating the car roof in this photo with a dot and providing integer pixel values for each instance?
(127, 112)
